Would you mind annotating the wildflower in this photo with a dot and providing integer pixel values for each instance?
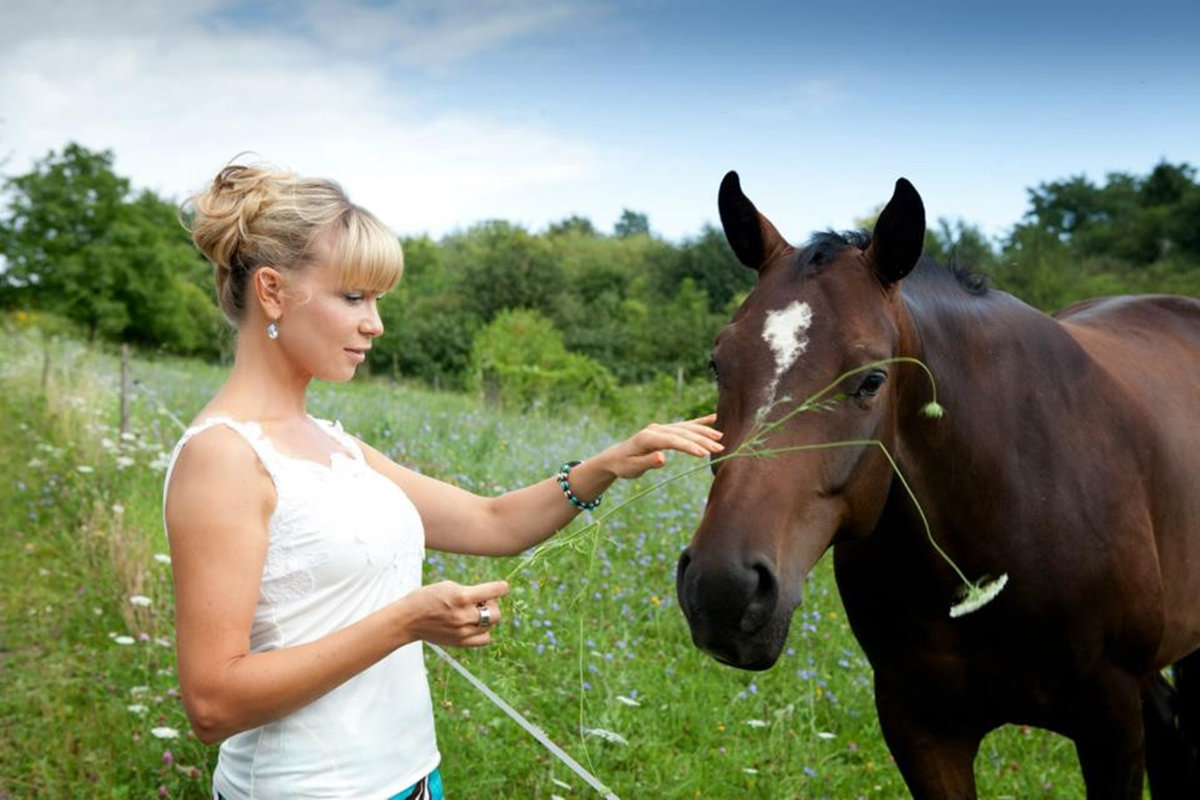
(756, 723)
(123, 639)
(136, 708)
(629, 701)
(124, 462)
(977, 595)
(162, 558)
(140, 600)
(84, 468)
(138, 690)
(750, 770)
(933, 410)
(608, 736)
(168, 757)
(826, 735)
(118, 509)
(164, 733)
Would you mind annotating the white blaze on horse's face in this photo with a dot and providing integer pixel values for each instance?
(784, 332)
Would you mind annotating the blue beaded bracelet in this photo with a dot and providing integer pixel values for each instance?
(564, 483)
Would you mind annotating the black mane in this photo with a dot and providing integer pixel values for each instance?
(825, 246)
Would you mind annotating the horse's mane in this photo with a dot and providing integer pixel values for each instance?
(825, 246)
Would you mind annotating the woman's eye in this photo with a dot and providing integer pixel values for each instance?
(353, 297)
(871, 385)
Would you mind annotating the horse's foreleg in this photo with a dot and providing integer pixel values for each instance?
(1110, 739)
(935, 756)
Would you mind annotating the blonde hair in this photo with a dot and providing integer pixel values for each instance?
(256, 216)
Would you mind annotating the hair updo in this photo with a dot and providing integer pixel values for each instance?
(255, 216)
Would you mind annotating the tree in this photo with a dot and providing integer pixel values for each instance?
(78, 245)
(58, 212)
(632, 223)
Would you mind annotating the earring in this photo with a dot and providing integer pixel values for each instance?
(272, 330)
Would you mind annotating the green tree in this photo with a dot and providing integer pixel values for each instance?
(77, 244)
(632, 223)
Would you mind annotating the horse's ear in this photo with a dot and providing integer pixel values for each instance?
(899, 235)
(753, 238)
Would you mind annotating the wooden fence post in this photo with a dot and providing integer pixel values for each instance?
(124, 389)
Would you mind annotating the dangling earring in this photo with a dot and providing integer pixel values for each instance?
(272, 330)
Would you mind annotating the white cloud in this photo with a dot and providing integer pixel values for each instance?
(176, 96)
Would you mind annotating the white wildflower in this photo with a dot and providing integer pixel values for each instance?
(162, 558)
(161, 642)
(137, 708)
(140, 600)
(123, 639)
(34, 463)
(124, 462)
(979, 595)
(826, 735)
(756, 723)
(138, 690)
(629, 701)
(164, 733)
(117, 508)
(84, 468)
(127, 437)
(608, 736)
(107, 444)
(750, 770)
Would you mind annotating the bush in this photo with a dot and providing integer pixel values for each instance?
(519, 361)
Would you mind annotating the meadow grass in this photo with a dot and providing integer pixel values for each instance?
(593, 638)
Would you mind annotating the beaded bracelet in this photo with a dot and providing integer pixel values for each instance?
(564, 483)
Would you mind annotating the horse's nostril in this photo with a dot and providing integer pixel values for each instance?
(763, 599)
(685, 559)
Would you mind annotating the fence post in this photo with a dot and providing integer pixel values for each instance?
(124, 389)
(45, 366)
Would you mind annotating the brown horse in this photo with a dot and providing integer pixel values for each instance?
(1068, 459)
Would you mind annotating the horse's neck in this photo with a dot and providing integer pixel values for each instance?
(1002, 371)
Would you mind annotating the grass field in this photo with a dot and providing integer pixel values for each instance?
(594, 640)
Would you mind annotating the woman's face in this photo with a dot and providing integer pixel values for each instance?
(327, 327)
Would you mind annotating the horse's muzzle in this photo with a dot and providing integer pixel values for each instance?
(733, 608)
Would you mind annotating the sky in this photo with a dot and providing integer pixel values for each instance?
(438, 114)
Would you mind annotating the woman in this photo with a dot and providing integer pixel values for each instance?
(296, 549)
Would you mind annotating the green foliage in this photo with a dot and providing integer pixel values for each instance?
(632, 223)
(79, 246)
(519, 362)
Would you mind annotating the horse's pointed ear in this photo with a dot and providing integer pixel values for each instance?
(753, 238)
(899, 235)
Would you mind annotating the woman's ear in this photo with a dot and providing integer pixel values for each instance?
(268, 289)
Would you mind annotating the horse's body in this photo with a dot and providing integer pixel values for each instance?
(1068, 459)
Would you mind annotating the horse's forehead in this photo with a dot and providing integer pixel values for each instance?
(785, 332)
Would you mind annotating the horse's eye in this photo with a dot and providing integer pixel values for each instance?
(871, 384)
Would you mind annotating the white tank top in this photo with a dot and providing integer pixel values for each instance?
(343, 542)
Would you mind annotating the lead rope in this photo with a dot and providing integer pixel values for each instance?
(530, 728)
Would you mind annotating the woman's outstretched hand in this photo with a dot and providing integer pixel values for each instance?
(645, 450)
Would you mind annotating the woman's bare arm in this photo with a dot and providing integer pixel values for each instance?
(460, 521)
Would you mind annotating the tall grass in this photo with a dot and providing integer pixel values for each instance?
(593, 639)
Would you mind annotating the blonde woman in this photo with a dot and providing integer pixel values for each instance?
(296, 549)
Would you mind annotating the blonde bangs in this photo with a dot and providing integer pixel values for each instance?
(367, 254)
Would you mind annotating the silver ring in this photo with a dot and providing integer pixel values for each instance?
(485, 615)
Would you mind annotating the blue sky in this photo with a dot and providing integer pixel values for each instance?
(437, 115)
